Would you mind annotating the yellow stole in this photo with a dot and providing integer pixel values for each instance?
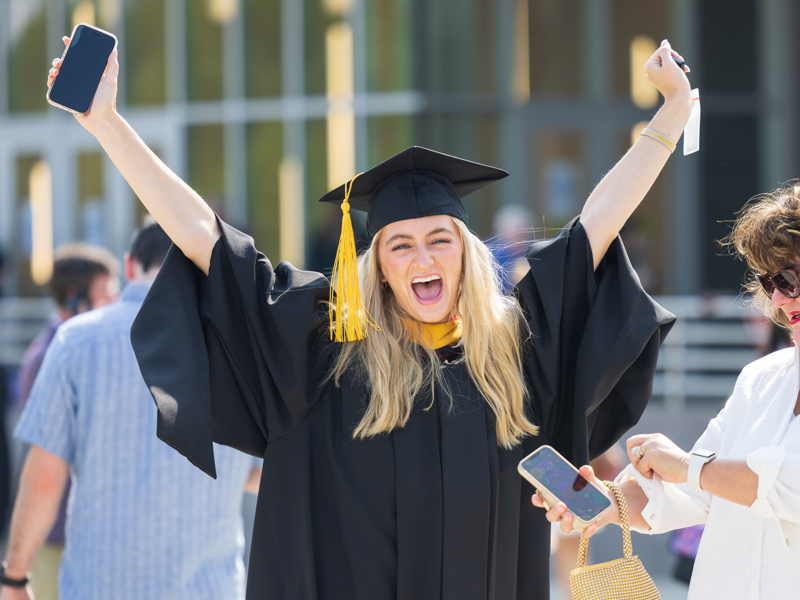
(436, 335)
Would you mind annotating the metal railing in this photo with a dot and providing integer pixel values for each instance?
(20, 320)
(713, 339)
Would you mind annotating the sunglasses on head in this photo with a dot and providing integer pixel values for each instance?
(786, 281)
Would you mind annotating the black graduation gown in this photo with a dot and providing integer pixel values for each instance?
(432, 510)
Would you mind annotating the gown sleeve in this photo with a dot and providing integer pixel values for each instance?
(595, 337)
(237, 357)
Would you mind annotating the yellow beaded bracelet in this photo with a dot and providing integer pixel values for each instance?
(659, 137)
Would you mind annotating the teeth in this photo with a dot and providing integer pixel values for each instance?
(425, 279)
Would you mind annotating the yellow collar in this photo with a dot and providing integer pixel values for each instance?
(437, 335)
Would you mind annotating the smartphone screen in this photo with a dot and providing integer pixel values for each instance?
(561, 478)
(82, 68)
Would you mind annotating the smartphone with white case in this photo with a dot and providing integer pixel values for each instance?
(555, 478)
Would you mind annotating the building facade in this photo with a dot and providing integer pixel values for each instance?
(263, 105)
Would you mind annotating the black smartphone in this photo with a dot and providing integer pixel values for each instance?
(555, 478)
(82, 66)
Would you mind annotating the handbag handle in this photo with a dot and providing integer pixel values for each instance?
(627, 547)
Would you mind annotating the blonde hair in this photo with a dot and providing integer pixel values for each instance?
(766, 234)
(389, 364)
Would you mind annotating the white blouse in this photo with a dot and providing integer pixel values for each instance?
(750, 553)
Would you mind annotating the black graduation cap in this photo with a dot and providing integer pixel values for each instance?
(415, 183)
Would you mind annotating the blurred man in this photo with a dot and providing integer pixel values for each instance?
(84, 277)
(143, 522)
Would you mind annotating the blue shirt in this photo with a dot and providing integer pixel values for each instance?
(143, 522)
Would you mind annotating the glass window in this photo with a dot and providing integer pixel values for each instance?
(262, 31)
(321, 219)
(389, 135)
(92, 225)
(728, 43)
(556, 46)
(730, 176)
(206, 146)
(317, 20)
(630, 20)
(28, 60)
(474, 137)
(145, 67)
(264, 153)
(390, 40)
(559, 183)
(462, 29)
(204, 51)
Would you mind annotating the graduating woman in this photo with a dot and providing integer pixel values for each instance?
(390, 458)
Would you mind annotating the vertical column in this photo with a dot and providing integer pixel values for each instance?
(775, 116)
(61, 153)
(294, 131)
(120, 208)
(515, 152)
(358, 21)
(176, 69)
(596, 86)
(233, 82)
(683, 212)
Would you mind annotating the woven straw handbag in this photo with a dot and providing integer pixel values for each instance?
(621, 579)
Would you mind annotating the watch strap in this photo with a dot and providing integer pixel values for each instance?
(10, 581)
(696, 463)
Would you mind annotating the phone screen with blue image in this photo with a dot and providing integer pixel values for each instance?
(82, 68)
(562, 480)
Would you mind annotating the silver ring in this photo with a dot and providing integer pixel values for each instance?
(636, 452)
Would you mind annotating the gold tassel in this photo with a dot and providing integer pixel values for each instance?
(351, 318)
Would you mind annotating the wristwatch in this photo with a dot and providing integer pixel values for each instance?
(697, 458)
(15, 583)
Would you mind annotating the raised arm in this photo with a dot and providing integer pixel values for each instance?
(183, 214)
(625, 186)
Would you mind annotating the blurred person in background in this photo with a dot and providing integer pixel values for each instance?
(742, 477)
(84, 277)
(142, 522)
(513, 235)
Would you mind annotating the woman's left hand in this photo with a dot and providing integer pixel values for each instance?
(654, 453)
(664, 73)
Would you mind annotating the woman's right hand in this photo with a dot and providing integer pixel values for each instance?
(559, 513)
(105, 99)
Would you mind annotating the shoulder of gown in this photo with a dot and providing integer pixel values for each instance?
(595, 336)
(238, 357)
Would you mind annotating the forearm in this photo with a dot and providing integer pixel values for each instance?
(41, 486)
(182, 213)
(730, 479)
(619, 193)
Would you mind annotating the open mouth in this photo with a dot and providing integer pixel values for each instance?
(428, 289)
(794, 318)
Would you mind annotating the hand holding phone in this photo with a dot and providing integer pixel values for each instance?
(80, 69)
(557, 480)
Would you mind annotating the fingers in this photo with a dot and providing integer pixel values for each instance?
(589, 531)
(56, 64)
(588, 473)
(559, 514)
